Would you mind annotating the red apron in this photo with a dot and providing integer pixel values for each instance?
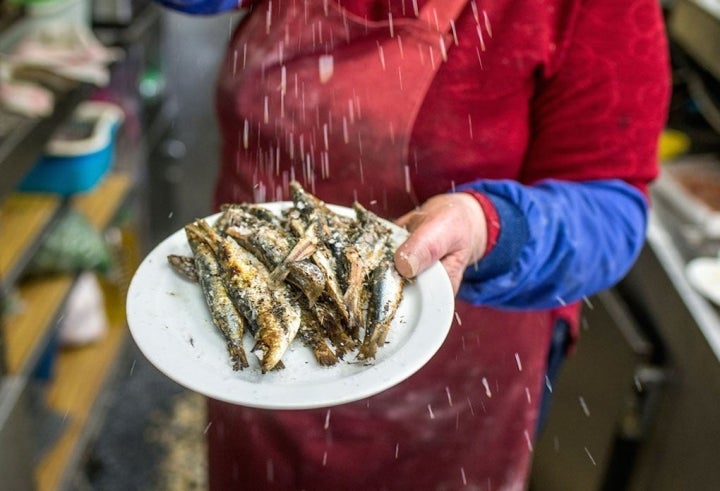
(313, 93)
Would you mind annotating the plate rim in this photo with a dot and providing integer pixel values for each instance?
(432, 282)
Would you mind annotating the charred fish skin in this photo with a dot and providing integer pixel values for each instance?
(184, 266)
(270, 309)
(272, 247)
(312, 335)
(222, 311)
(386, 294)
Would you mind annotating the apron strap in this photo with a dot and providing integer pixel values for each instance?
(441, 14)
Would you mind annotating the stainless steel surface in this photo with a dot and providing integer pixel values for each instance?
(682, 446)
(695, 25)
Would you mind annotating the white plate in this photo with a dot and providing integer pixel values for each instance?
(703, 273)
(171, 325)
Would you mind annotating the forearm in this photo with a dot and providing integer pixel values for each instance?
(558, 242)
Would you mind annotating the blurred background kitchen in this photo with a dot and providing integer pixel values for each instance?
(108, 143)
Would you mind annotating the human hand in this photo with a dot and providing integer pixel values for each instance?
(450, 228)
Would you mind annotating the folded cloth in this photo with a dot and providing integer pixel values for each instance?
(67, 48)
(26, 98)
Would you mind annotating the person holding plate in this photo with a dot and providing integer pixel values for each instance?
(514, 139)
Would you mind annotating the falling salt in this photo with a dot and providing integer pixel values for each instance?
(590, 456)
(528, 440)
(430, 411)
(400, 46)
(324, 460)
(270, 471)
(548, 384)
(588, 302)
(397, 450)
(407, 178)
(480, 36)
(390, 23)
(381, 52)
(207, 428)
(326, 65)
(132, 367)
(470, 127)
(517, 360)
(235, 59)
(479, 58)
(346, 133)
(462, 474)
(458, 319)
(528, 396)
(584, 406)
(470, 406)
(443, 49)
(487, 388)
(561, 301)
(487, 23)
(268, 18)
(400, 78)
(327, 420)
(449, 397)
(283, 79)
(454, 32)
(246, 134)
(432, 56)
(416, 11)
(170, 215)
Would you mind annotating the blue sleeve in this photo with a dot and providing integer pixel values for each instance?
(202, 7)
(559, 242)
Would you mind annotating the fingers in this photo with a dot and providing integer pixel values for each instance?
(447, 228)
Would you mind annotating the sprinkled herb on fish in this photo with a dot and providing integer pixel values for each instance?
(224, 314)
(309, 273)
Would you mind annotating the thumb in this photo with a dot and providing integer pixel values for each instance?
(421, 249)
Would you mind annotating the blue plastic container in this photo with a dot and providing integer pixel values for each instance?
(80, 152)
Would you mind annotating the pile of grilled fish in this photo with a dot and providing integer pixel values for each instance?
(308, 273)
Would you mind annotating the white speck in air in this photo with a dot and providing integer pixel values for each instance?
(470, 406)
(487, 387)
(462, 474)
(528, 440)
(584, 406)
(326, 66)
(548, 384)
(587, 451)
(449, 396)
(381, 52)
(487, 23)
(480, 36)
(430, 411)
(517, 360)
(327, 420)
(458, 319)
